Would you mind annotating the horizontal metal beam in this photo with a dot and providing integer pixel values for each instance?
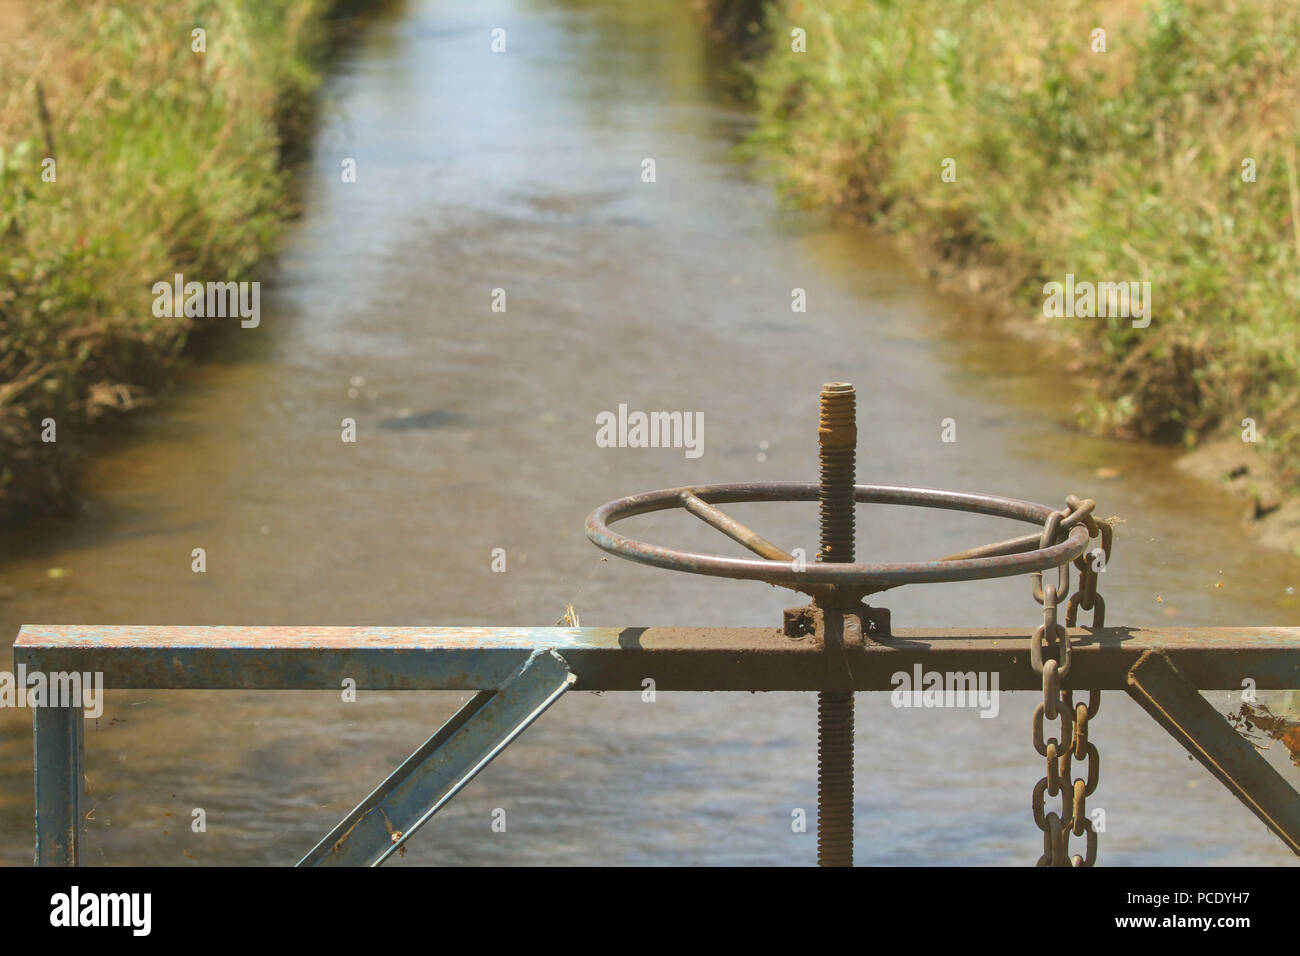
(620, 658)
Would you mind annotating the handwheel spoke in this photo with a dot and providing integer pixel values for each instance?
(732, 528)
(1019, 545)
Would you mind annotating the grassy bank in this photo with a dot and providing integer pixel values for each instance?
(1123, 165)
(166, 160)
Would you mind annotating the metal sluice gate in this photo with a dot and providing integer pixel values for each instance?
(836, 645)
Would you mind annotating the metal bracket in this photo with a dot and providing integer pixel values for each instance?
(841, 634)
(1170, 698)
(443, 765)
(856, 626)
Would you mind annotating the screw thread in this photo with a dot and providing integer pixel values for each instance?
(837, 434)
(835, 779)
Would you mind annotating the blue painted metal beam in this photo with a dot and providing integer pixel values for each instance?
(443, 765)
(60, 784)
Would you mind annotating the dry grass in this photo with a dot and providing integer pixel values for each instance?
(1115, 166)
(167, 161)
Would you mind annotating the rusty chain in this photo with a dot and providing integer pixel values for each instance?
(1050, 640)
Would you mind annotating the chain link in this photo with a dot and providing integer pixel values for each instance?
(1049, 655)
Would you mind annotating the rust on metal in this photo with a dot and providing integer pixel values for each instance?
(619, 658)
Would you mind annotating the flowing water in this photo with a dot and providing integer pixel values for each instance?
(522, 171)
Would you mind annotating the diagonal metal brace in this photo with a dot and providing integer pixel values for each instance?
(443, 765)
(1173, 701)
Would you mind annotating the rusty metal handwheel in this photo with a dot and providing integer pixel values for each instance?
(1014, 556)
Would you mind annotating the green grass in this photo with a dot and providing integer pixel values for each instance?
(168, 161)
(1115, 166)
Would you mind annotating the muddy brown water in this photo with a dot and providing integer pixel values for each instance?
(522, 171)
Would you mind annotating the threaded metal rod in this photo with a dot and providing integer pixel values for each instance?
(835, 778)
(837, 434)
